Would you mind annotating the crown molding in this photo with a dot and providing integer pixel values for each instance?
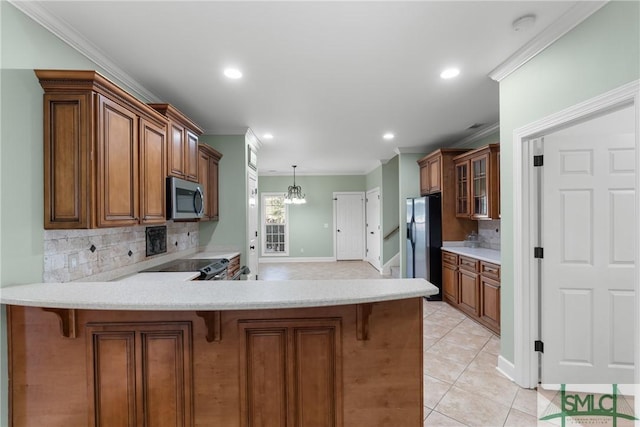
(73, 38)
(252, 139)
(477, 136)
(410, 150)
(568, 21)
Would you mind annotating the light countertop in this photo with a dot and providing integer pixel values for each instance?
(483, 254)
(180, 295)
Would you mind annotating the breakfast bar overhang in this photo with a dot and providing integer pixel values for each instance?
(249, 353)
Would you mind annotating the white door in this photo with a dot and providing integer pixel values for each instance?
(373, 227)
(252, 225)
(349, 226)
(588, 233)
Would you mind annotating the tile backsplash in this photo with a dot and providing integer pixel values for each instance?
(489, 232)
(68, 255)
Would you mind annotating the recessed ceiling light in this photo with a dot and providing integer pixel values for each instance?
(449, 73)
(267, 136)
(233, 73)
(388, 136)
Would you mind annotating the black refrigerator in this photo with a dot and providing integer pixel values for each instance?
(424, 240)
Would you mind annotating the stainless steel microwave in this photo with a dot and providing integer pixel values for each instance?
(185, 199)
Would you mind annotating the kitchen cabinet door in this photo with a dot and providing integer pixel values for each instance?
(469, 292)
(490, 303)
(176, 151)
(291, 373)
(424, 179)
(191, 156)
(463, 209)
(208, 161)
(480, 187)
(117, 165)
(153, 148)
(450, 282)
(140, 374)
(435, 170)
(67, 160)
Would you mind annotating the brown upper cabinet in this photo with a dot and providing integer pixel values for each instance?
(437, 176)
(436, 170)
(477, 183)
(182, 159)
(104, 154)
(208, 160)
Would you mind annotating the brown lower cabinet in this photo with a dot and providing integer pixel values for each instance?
(139, 374)
(472, 286)
(304, 367)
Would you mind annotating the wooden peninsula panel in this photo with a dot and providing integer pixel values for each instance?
(295, 367)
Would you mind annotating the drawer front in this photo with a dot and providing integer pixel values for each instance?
(449, 258)
(488, 269)
(470, 264)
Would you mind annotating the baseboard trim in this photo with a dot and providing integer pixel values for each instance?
(393, 262)
(267, 260)
(506, 368)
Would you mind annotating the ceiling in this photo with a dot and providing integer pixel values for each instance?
(326, 79)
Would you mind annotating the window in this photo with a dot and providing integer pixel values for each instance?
(275, 228)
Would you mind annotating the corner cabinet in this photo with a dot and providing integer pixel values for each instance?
(104, 154)
(435, 170)
(477, 183)
(182, 159)
(437, 176)
(208, 162)
(472, 286)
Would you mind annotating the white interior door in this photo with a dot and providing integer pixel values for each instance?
(588, 235)
(373, 227)
(252, 225)
(349, 226)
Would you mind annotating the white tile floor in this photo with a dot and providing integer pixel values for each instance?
(461, 384)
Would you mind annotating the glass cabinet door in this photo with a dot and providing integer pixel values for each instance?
(480, 187)
(462, 189)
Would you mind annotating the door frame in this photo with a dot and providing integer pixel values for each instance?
(335, 220)
(377, 264)
(524, 369)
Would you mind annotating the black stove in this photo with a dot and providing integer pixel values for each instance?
(210, 269)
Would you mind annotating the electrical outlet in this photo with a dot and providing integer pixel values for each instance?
(72, 260)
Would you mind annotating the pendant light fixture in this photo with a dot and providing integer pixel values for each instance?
(294, 193)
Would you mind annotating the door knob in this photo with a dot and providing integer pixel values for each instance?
(252, 247)
(338, 230)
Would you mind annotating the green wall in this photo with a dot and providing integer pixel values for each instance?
(230, 231)
(307, 235)
(599, 55)
(25, 46)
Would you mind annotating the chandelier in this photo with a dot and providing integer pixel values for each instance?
(294, 193)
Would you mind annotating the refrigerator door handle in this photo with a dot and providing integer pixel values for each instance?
(410, 232)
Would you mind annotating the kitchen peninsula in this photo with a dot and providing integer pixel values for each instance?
(217, 353)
